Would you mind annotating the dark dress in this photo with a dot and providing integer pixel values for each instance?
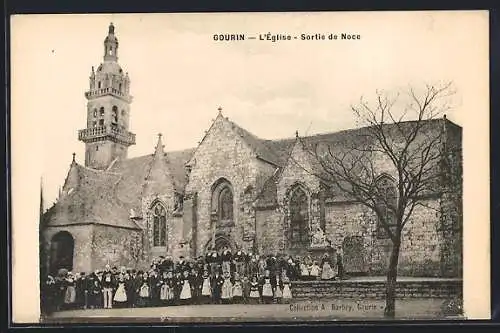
(217, 282)
(94, 293)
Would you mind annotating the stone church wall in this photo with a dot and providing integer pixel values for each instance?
(116, 247)
(223, 154)
(269, 237)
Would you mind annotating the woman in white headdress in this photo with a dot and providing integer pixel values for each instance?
(185, 295)
(70, 293)
(120, 298)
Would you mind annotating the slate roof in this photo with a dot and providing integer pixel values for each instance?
(92, 200)
(283, 147)
(108, 196)
(258, 145)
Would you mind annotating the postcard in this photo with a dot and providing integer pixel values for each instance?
(250, 167)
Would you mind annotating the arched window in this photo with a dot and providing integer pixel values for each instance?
(95, 113)
(99, 85)
(101, 111)
(222, 202)
(386, 203)
(299, 217)
(226, 204)
(115, 114)
(159, 225)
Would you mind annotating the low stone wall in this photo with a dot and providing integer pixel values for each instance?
(348, 289)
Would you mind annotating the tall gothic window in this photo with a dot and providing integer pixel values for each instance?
(226, 204)
(159, 225)
(299, 217)
(101, 111)
(222, 202)
(387, 201)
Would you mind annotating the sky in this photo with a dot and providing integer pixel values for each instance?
(180, 75)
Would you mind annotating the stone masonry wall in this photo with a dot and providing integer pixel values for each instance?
(298, 172)
(116, 247)
(442, 288)
(172, 238)
(269, 231)
(223, 154)
(420, 250)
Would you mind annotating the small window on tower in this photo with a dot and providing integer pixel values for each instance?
(96, 148)
(101, 111)
(115, 114)
(99, 85)
(94, 124)
(95, 113)
(101, 122)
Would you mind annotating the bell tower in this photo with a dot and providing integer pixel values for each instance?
(107, 136)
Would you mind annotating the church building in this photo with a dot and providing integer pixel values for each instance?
(233, 190)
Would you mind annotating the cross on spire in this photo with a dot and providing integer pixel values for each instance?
(220, 109)
(74, 157)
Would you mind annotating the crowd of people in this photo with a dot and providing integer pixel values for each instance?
(212, 279)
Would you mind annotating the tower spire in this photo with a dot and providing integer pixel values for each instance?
(111, 45)
(107, 135)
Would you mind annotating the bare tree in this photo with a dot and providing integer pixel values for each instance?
(392, 164)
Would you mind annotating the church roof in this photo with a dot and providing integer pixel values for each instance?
(283, 147)
(107, 197)
(90, 198)
(259, 146)
(135, 171)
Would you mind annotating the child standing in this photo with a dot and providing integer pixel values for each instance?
(227, 289)
(287, 293)
(314, 271)
(304, 271)
(237, 289)
(254, 296)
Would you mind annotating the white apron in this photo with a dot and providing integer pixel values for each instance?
(237, 289)
(186, 290)
(120, 294)
(205, 289)
(287, 293)
(267, 289)
(227, 289)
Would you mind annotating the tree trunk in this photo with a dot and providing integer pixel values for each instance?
(392, 273)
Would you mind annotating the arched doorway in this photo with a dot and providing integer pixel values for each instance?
(221, 242)
(62, 247)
